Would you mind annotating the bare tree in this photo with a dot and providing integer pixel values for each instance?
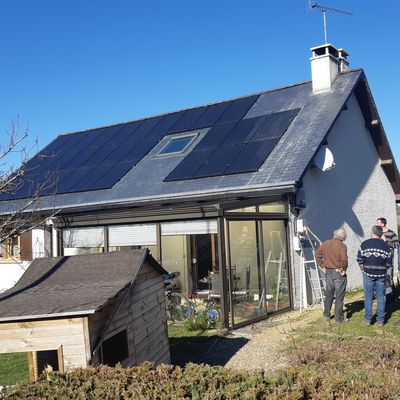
(15, 168)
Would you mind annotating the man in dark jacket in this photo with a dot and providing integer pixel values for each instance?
(331, 256)
(393, 242)
(374, 258)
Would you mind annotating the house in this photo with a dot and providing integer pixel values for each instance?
(215, 192)
(103, 308)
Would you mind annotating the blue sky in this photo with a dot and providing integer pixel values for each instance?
(69, 65)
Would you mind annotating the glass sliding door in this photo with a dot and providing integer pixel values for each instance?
(276, 264)
(175, 258)
(247, 287)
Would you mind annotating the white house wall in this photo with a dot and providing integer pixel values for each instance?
(352, 195)
(11, 271)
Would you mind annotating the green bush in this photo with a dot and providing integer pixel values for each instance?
(330, 369)
(198, 322)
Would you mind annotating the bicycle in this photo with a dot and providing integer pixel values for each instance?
(179, 308)
(207, 306)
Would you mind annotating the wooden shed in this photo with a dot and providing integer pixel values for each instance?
(93, 309)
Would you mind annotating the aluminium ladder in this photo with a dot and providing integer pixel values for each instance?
(309, 243)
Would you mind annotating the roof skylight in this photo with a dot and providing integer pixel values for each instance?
(177, 145)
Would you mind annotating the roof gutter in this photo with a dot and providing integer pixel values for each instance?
(255, 191)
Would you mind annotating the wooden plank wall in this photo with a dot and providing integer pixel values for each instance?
(143, 315)
(49, 335)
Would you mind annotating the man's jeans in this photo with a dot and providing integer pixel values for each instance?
(377, 284)
(335, 289)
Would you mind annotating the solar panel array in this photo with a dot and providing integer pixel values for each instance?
(232, 147)
(99, 158)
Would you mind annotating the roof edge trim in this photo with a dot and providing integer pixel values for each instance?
(47, 316)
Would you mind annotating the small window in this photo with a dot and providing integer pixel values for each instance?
(276, 207)
(115, 349)
(251, 209)
(177, 145)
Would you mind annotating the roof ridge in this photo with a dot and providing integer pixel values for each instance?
(188, 108)
(199, 106)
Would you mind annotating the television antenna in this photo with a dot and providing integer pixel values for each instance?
(326, 9)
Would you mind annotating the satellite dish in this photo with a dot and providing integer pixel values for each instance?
(324, 159)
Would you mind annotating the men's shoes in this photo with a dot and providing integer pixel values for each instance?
(366, 322)
(343, 321)
(327, 318)
(380, 324)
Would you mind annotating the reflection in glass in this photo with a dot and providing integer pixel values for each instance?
(247, 292)
(276, 265)
(152, 249)
(174, 250)
(276, 207)
(83, 241)
(251, 209)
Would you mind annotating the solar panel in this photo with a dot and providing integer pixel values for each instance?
(190, 164)
(211, 115)
(238, 109)
(243, 131)
(239, 147)
(216, 135)
(275, 125)
(88, 160)
(219, 161)
(252, 156)
(188, 119)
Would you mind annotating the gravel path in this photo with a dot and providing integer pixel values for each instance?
(259, 346)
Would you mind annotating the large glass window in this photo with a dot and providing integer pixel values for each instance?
(246, 281)
(276, 265)
(83, 241)
(190, 248)
(175, 259)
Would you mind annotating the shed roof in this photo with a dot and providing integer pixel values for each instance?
(76, 285)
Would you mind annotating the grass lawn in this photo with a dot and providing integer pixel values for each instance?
(354, 329)
(13, 368)
(188, 346)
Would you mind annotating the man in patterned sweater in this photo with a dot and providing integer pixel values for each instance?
(391, 239)
(374, 258)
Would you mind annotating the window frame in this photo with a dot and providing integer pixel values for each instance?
(9, 246)
(192, 137)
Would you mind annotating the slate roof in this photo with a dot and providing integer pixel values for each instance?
(67, 286)
(141, 177)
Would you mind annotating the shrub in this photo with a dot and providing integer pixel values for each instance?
(330, 369)
(198, 322)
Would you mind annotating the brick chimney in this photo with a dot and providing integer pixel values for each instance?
(326, 63)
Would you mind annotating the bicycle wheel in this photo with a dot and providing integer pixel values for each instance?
(179, 307)
(213, 315)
